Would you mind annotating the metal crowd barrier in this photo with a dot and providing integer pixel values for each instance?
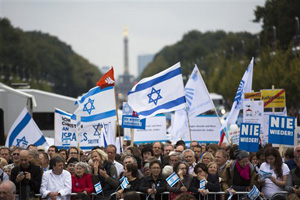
(239, 195)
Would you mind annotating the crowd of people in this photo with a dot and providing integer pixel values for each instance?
(56, 173)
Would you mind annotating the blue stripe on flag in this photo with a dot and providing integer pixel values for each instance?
(19, 128)
(167, 105)
(190, 97)
(63, 113)
(41, 141)
(157, 80)
(92, 92)
(100, 116)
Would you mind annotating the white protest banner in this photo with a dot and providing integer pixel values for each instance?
(155, 130)
(204, 129)
(297, 136)
(65, 129)
(234, 134)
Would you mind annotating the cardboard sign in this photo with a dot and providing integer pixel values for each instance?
(249, 137)
(252, 95)
(273, 98)
(130, 118)
(281, 130)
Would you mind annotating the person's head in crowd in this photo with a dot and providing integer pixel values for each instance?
(213, 148)
(167, 171)
(157, 149)
(289, 154)
(189, 156)
(221, 157)
(126, 144)
(64, 154)
(180, 142)
(181, 168)
(231, 151)
(81, 168)
(135, 151)
(155, 168)
(193, 144)
(44, 157)
(203, 147)
(131, 171)
(149, 159)
(167, 149)
(197, 150)
(267, 145)
(201, 171)
(71, 165)
(57, 165)
(99, 156)
(129, 160)
(185, 196)
(24, 158)
(7, 190)
(212, 168)
(3, 163)
(223, 146)
(253, 159)
(146, 169)
(40, 149)
(207, 158)
(16, 155)
(174, 157)
(5, 153)
(132, 195)
(111, 151)
(179, 148)
(260, 155)
(31, 146)
(146, 152)
(73, 153)
(242, 157)
(7, 169)
(52, 150)
(34, 157)
(274, 159)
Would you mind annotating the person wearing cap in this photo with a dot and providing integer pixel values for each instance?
(239, 174)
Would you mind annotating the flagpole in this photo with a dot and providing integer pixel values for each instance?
(221, 125)
(118, 127)
(187, 114)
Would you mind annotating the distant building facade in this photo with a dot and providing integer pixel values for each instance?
(143, 61)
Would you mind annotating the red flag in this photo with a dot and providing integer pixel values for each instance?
(107, 79)
(222, 137)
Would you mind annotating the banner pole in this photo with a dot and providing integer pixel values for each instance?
(78, 130)
(132, 137)
(118, 127)
(188, 119)
(230, 142)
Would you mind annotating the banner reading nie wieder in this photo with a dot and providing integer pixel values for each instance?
(281, 130)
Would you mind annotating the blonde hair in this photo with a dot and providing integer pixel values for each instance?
(101, 153)
(213, 163)
(211, 157)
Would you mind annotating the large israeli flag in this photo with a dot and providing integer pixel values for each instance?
(97, 105)
(245, 86)
(163, 92)
(24, 132)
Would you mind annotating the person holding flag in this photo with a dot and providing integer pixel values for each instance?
(180, 168)
(131, 174)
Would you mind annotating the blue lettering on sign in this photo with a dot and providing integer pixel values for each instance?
(281, 130)
(84, 137)
(65, 128)
(249, 137)
(129, 121)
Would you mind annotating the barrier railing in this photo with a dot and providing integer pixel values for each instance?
(216, 195)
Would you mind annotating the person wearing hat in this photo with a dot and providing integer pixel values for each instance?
(239, 174)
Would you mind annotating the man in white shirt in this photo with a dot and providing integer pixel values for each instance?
(189, 157)
(57, 182)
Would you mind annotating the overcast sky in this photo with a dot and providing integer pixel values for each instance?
(94, 28)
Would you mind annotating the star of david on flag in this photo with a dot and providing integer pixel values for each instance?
(163, 92)
(24, 131)
(254, 193)
(89, 106)
(172, 179)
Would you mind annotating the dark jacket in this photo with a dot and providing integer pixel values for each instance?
(27, 187)
(186, 181)
(160, 185)
(212, 185)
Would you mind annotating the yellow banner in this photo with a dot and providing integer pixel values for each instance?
(273, 98)
(252, 95)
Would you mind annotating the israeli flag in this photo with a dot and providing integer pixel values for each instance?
(24, 132)
(245, 86)
(202, 184)
(254, 193)
(125, 183)
(97, 105)
(98, 188)
(172, 179)
(163, 92)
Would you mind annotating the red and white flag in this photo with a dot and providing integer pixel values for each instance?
(107, 79)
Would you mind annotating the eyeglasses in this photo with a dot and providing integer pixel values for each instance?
(156, 148)
(15, 154)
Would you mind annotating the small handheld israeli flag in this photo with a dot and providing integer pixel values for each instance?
(98, 188)
(254, 193)
(263, 175)
(125, 183)
(172, 179)
(121, 179)
(202, 184)
(230, 193)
